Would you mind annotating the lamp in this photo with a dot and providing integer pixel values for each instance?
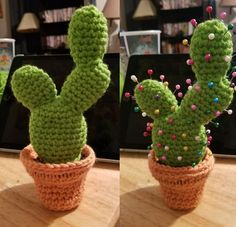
(112, 12)
(112, 9)
(28, 24)
(145, 10)
(228, 3)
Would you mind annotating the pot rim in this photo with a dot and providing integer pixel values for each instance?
(29, 156)
(204, 166)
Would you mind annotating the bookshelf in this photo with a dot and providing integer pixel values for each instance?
(172, 19)
(54, 21)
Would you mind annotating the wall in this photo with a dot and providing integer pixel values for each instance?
(5, 30)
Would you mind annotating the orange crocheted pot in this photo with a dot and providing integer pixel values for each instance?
(182, 187)
(59, 186)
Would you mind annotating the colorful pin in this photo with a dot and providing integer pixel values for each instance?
(145, 134)
(193, 22)
(188, 81)
(150, 72)
(173, 137)
(208, 57)
(210, 84)
(185, 42)
(211, 36)
(134, 78)
(216, 100)
(166, 148)
(159, 145)
(223, 15)
(190, 62)
(162, 77)
(163, 157)
(217, 113)
(180, 94)
(209, 10)
(127, 95)
(185, 148)
(157, 112)
(144, 114)
(208, 131)
(177, 87)
(227, 58)
(179, 158)
(193, 107)
(184, 135)
(140, 87)
(136, 109)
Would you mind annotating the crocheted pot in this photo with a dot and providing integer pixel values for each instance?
(182, 187)
(59, 186)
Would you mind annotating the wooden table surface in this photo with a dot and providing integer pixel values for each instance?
(142, 204)
(19, 206)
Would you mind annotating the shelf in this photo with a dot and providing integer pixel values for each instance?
(57, 28)
(180, 15)
(48, 5)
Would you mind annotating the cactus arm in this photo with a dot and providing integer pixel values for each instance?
(85, 86)
(33, 87)
(155, 99)
(211, 75)
(87, 40)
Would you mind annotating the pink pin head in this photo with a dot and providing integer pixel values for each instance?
(127, 94)
(217, 113)
(209, 9)
(140, 87)
(177, 86)
(150, 72)
(193, 107)
(162, 77)
(208, 57)
(180, 94)
(193, 22)
(223, 15)
(145, 134)
(190, 62)
(188, 81)
(234, 74)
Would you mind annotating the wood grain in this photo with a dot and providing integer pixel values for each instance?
(19, 206)
(142, 204)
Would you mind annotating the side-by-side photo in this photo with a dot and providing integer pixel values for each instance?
(117, 113)
(59, 113)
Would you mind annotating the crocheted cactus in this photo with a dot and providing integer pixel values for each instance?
(58, 130)
(178, 135)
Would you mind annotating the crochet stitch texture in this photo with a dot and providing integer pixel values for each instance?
(178, 135)
(58, 129)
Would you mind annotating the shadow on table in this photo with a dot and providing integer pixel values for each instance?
(146, 207)
(19, 204)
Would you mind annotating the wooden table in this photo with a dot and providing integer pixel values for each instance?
(142, 204)
(19, 206)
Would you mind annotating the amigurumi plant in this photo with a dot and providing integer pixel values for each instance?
(58, 158)
(180, 159)
(178, 135)
(58, 129)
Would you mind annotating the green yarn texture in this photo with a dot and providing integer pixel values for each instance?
(58, 130)
(178, 135)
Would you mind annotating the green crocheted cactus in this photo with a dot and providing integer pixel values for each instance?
(58, 130)
(178, 135)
